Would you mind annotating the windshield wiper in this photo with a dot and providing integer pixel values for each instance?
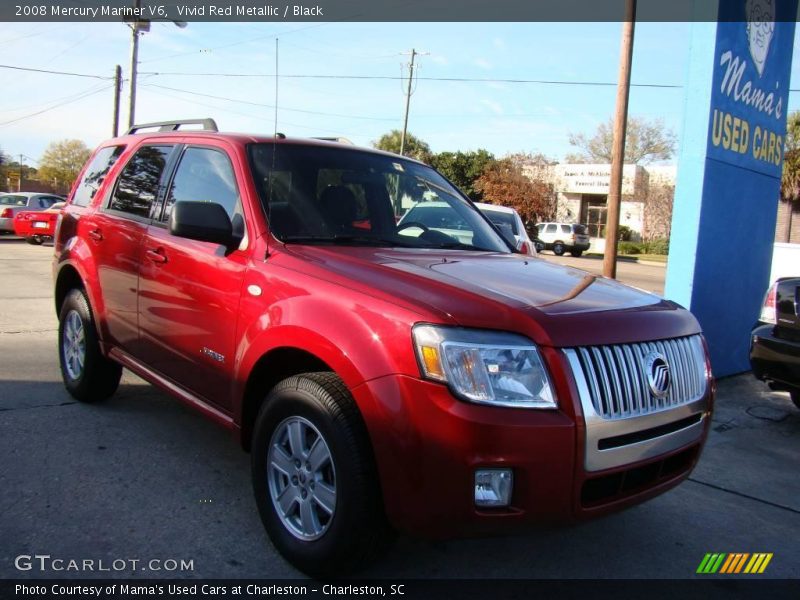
(460, 246)
(345, 239)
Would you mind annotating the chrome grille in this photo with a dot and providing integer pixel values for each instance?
(616, 376)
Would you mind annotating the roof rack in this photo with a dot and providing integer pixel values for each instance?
(341, 140)
(208, 125)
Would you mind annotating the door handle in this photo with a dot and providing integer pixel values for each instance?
(156, 256)
(96, 235)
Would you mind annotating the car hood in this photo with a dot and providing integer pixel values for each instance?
(484, 289)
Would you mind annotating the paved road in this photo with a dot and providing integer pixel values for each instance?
(649, 276)
(143, 477)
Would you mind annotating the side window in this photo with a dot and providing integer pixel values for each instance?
(204, 175)
(95, 174)
(551, 228)
(138, 183)
(566, 229)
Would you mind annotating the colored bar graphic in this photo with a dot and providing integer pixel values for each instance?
(733, 563)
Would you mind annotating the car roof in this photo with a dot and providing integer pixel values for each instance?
(495, 207)
(29, 194)
(246, 138)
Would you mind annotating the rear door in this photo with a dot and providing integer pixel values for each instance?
(115, 233)
(189, 291)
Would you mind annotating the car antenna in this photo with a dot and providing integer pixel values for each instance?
(274, 150)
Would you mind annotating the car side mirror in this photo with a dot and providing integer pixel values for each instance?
(204, 222)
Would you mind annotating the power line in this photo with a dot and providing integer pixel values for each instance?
(257, 117)
(59, 105)
(400, 78)
(265, 105)
(49, 72)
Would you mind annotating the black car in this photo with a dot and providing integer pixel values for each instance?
(775, 342)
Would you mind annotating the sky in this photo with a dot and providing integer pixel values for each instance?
(315, 100)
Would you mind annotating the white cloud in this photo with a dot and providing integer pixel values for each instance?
(482, 63)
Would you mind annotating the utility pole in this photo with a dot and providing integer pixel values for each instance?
(618, 148)
(117, 92)
(19, 183)
(139, 26)
(414, 54)
(135, 27)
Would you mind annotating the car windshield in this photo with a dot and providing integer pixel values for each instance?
(329, 195)
(13, 200)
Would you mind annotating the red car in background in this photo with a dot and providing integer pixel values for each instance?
(37, 226)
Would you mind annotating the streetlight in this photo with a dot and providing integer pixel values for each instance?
(138, 27)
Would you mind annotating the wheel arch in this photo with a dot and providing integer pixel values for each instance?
(68, 278)
(271, 368)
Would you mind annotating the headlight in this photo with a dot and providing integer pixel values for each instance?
(486, 367)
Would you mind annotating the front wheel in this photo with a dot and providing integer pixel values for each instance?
(558, 249)
(576, 253)
(314, 477)
(88, 375)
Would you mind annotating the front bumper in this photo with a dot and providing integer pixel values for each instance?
(774, 357)
(429, 444)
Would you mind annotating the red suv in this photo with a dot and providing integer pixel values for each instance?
(383, 375)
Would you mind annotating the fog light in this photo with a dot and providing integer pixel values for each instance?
(493, 487)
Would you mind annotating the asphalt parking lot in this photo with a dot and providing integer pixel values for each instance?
(142, 477)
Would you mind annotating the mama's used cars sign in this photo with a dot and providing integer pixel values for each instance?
(729, 172)
(750, 92)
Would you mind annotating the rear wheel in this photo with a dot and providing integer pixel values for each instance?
(576, 253)
(36, 240)
(314, 477)
(558, 248)
(88, 375)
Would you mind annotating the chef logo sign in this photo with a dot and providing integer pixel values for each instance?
(751, 85)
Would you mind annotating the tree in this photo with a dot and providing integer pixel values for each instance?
(62, 161)
(790, 180)
(512, 182)
(658, 211)
(645, 142)
(464, 169)
(415, 147)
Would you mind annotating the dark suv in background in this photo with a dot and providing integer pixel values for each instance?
(384, 376)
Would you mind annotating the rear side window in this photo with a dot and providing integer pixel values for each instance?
(138, 183)
(95, 174)
(566, 229)
(14, 200)
(204, 175)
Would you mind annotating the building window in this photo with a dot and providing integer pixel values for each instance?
(594, 213)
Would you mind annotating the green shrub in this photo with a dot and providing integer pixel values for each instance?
(657, 247)
(629, 248)
(625, 233)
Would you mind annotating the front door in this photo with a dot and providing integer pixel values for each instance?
(189, 291)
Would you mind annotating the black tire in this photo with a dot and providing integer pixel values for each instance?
(539, 246)
(98, 377)
(576, 253)
(795, 395)
(558, 249)
(36, 240)
(357, 529)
